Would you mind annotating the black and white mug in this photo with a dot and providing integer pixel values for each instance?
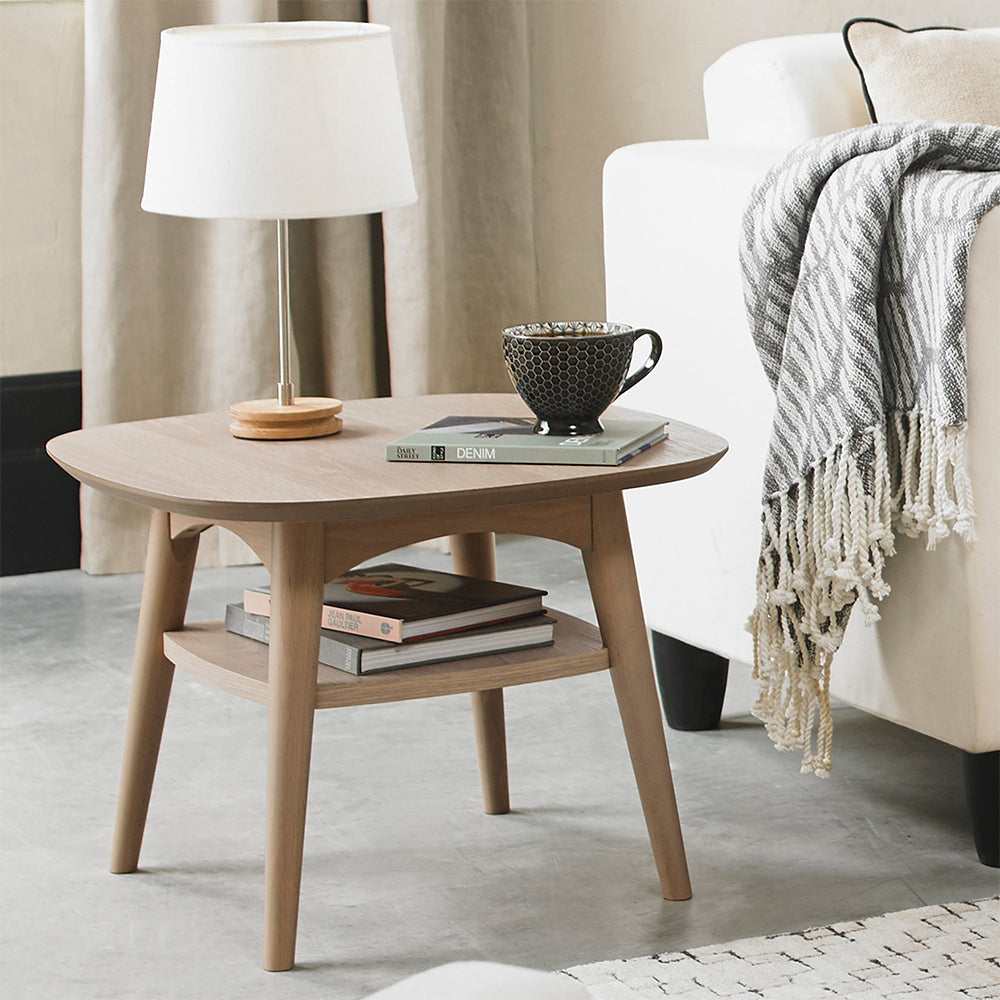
(570, 373)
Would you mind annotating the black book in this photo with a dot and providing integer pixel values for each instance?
(400, 603)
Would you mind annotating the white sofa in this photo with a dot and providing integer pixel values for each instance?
(672, 212)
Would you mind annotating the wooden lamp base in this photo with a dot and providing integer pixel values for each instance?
(267, 419)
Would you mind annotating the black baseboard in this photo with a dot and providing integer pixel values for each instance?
(39, 503)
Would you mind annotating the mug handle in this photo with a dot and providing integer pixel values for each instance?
(655, 350)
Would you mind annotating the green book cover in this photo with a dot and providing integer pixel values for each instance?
(510, 439)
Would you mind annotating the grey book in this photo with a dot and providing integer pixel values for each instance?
(511, 440)
(356, 654)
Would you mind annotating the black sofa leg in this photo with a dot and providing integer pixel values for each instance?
(692, 683)
(982, 791)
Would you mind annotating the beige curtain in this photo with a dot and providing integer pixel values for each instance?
(460, 263)
(179, 314)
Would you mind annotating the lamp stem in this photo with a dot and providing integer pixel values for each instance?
(286, 390)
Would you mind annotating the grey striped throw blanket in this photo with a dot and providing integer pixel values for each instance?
(854, 253)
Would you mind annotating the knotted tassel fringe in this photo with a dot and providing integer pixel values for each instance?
(824, 546)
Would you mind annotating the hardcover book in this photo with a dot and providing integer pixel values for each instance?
(399, 603)
(511, 439)
(356, 654)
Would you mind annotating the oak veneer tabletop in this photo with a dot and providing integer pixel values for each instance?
(193, 465)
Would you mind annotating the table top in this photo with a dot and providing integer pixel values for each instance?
(193, 465)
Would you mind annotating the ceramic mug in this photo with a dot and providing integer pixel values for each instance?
(570, 373)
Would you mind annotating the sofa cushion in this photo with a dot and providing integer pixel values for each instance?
(939, 73)
(782, 91)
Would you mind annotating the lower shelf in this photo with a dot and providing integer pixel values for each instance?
(239, 665)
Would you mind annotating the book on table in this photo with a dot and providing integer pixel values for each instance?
(511, 440)
(357, 654)
(400, 603)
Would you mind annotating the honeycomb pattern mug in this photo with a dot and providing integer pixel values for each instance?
(570, 373)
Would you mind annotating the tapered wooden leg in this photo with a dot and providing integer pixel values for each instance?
(474, 555)
(491, 747)
(296, 597)
(615, 591)
(165, 589)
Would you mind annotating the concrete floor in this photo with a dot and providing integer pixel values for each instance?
(402, 869)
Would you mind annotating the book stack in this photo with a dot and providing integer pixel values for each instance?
(384, 617)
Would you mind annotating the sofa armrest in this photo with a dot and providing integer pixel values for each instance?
(672, 216)
(673, 212)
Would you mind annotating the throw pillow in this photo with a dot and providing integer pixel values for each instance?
(936, 73)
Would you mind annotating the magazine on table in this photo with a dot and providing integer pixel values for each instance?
(512, 440)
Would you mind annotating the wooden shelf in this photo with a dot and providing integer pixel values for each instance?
(239, 665)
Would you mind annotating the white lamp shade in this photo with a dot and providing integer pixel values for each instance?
(291, 120)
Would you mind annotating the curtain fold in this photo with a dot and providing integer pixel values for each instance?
(179, 315)
(460, 263)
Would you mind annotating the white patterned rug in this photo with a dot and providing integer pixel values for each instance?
(949, 952)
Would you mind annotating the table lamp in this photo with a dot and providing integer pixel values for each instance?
(290, 120)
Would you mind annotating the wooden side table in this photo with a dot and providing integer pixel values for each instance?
(313, 509)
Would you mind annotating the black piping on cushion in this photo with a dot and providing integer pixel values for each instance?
(888, 24)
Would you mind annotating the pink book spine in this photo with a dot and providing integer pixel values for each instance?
(372, 626)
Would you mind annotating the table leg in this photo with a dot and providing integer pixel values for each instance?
(474, 555)
(615, 591)
(297, 563)
(165, 589)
